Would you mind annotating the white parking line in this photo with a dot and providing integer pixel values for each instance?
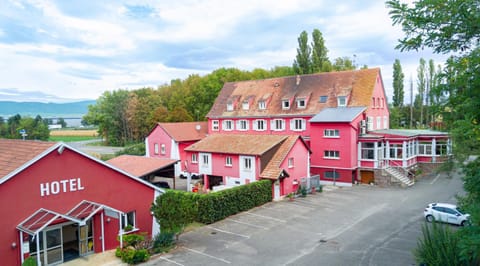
(172, 261)
(249, 224)
(267, 217)
(434, 180)
(228, 232)
(207, 255)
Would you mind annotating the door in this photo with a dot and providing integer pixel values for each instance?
(53, 246)
(85, 239)
(276, 190)
(205, 163)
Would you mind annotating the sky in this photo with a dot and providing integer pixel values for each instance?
(56, 50)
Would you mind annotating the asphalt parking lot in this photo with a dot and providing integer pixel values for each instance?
(361, 225)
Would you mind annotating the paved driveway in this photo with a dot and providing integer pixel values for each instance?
(362, 225)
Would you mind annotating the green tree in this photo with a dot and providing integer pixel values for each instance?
(421, 85)
(62, 122)
(320, 62)
(302, 64)
(343, 63)
(398, 79)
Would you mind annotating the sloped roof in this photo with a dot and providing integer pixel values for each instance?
(16, 153)
(140, 165)
(237, 144)
(339, 114)
(185, 131)
(273, 170)
(357, 84)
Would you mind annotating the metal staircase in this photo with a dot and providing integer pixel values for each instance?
(401, 175)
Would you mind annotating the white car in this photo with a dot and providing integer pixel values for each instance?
(447, 213)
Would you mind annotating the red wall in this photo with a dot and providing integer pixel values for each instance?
(378, 110)
(159, 136)
(219, 167)
(20, 197)
(299, 170)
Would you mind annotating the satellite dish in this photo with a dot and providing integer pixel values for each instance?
(198, 127)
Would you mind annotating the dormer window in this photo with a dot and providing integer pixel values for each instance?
(342, 101)
(301, 103)
(323, 99)
(245, 105)
(229, 106)
(262, 105)
(285, 104)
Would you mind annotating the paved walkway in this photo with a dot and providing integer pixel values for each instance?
(99, 259)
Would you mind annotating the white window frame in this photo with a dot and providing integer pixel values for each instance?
(247, 164)
(243, 125)
(298, 124)
(162, 149)
(367, 151)
(245, 105)
(129, 218)
(425, 148)
(262, 105)
(291, 162)
(275, 122)
(369, 123)
(194, 158)
(330, 154)
(285, 104)
(215, 125)
(342, 101)
(323, 99)
(396, 151)
(301, 103)
(228, 161)
(225, 123)
(256, 124)
(155, 148)
(379, 122)
(385, 122)
(331, 133)
(230, 106)
(206, 162)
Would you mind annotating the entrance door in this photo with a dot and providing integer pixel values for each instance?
(85, 238)
(276, 190)
(53, 246)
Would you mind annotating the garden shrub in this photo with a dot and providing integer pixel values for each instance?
(30, 261)
(163, 242)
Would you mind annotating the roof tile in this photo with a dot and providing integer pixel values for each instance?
(186, 131)
(140, 165)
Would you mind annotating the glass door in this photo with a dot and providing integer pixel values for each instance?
(53, 246)
(86, 239)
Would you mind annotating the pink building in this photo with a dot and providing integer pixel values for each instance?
(228, 160)
(169, 140)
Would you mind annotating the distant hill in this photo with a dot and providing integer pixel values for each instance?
(45, 110)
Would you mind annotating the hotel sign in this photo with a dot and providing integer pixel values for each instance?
(61, 186)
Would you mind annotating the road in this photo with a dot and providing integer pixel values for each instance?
(92, 149)
(361, 225)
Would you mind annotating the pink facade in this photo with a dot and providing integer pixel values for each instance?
(160, 144)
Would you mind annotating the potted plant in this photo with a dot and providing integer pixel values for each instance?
(290, 196)
(128, 228)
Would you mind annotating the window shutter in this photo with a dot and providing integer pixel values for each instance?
(255, 125)
(272, 124)
(292, 124)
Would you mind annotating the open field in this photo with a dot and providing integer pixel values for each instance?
(70, 135)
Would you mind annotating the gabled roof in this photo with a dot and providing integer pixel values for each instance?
(140, 165)
(185, 131)
(339, 114)
(358, 85)
(273, 170)
(18, 155)
(237, 144)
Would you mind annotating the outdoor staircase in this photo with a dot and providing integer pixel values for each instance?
(400, 175)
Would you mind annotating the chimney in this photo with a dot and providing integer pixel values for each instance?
(298, 79)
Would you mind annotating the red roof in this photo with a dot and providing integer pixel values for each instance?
(273, 170)
(185, 131)
(140, 165)
(356, 85)
(16, 153)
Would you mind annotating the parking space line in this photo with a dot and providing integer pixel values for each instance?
(300, 205)
(434, 180)
(207, 255)
(227, 232)
(171, 261)
(249, 224)
(266, 217)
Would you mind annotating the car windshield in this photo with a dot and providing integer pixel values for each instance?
(459, 210)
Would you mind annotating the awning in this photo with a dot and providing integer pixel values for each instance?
(80, 214)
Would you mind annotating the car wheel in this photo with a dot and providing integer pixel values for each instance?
(463, 223)
(430, 218)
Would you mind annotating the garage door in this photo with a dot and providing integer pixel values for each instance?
(366, 177)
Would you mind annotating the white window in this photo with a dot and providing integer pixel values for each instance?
(155, 148)
(128, 220)
(285, 104)
(331, 154)
(342, 101)
(368, 150)
(396, 151)
(301, 103)
(228, 161)
(205, 159)
(385, 122)
(162, 149)
(369, 123)
(425, 148)
(194, 158)
(247, 163)
(382, 102)
(379, 122)
(297, 124)
(331, 133)
(278, 124)
(323, 99)
(245, 105)
(242, 125)
(215, 125)
(290, 162)
(262, 105)
(227, 125)
(441, 148)
(229, 106)
(259, 125)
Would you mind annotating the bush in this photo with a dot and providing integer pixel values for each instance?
(30, 261)
(163, 242)
(131, 255)
(439, 246)
(132, 239)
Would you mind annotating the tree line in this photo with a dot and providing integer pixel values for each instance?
(127, 116)
(34, 128)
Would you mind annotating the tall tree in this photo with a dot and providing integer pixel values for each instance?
(421, 84)
(302, 63)
(398, 76)
(343, 63)
(320, 61)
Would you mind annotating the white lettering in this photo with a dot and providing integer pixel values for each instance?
(66, 185)
(79, 181)
(44, 189)
(55, 187)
